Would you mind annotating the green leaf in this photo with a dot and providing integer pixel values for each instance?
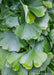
(36, 56)
(3, 54)
(52, 35)
(22, 71)
(8, 72)
(12, 59)
(11, 42)
(12, 21)
(27, 37)
(38, 11)
(37, 8)
(28, 31)
(42, 68)
(48, 3)
(43, 22)
(29, 17)
(44, 44)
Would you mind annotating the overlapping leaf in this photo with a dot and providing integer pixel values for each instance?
(12, 59)
(28, 31)
(38, 11)
(36, 56)
(9, 41)
(12, 21)
(43, 22)
(42, 68)
(44, 44)
(29, 49)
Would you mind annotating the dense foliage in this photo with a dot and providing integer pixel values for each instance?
(27, 37)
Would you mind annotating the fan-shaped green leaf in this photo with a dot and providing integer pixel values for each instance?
(9, 41)
(42, 68)
(28, 31)
(38, 11)
(36, 55)
(12, 21)
(44, 44)
(43, 22)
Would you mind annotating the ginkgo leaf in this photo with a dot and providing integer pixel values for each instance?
(3, 54)
(29, 17)
(43, 22)
(9, 41)
(44, 44)
(28, 31)
(12, 59)
(38, 11)
(36, 56)
(33, 56)
(12, 21)
(52, 35)
(42, 68)
(27, 37)
(48, 3)
(7, 71)
(22, 71)
(37, 8)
